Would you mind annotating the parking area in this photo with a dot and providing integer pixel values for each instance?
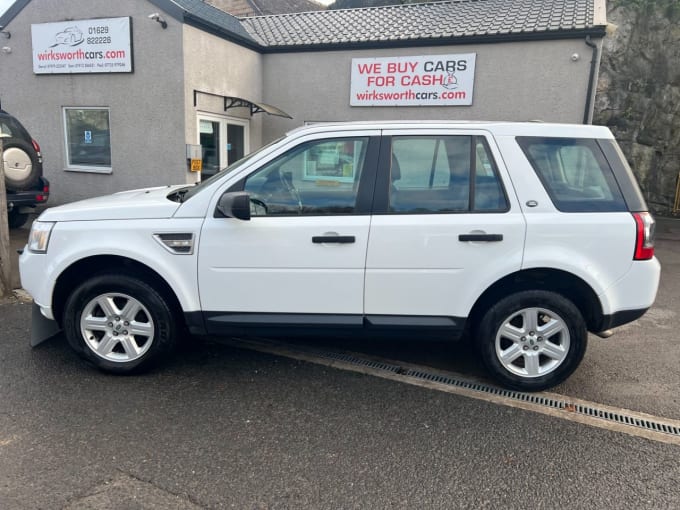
(220, 426)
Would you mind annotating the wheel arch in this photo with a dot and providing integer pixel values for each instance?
(85, 268)
(562, 282)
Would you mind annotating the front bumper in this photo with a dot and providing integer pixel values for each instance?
(34, 278)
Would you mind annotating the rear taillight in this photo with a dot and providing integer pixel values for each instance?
(644, 242)
(36, 146)
(42, 198)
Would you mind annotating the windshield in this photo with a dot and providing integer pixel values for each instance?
(193, 190)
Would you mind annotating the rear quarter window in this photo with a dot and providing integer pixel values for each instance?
(10, 128)
(575, 173)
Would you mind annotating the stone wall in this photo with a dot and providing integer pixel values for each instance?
(638, 94)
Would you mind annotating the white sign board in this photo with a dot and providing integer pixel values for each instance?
(433, 80)
(82, 46)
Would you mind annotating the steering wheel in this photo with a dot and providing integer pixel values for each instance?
(291, 189)
(259, 203)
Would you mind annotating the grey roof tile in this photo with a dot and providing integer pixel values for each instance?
(447, 19)
(220, 20)
(433, 21)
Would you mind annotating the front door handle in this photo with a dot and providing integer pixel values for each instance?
(333, 239)
(489, 238)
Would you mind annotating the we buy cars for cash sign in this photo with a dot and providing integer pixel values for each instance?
(434, 80)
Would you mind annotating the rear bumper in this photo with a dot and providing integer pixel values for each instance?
(630, 297)
(29, 198)
(620, 318)
(632, 294)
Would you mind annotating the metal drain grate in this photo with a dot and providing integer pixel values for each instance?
(378, 365)
(536, 399)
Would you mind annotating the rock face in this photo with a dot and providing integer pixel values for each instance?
(638, 93)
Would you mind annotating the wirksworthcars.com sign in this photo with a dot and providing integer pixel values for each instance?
(82, 46)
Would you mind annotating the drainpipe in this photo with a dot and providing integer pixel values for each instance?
(590, 93)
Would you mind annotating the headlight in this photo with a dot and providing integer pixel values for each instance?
(39, 237)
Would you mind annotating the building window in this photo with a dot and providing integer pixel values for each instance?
(88, 139)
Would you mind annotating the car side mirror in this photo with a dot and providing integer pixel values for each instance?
(234, 205)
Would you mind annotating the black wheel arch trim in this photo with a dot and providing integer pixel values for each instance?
(549, 279)
(87, 267)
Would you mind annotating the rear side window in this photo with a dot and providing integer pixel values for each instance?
(575, 173)
(444, 174)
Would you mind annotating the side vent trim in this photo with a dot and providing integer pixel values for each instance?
(177, 243)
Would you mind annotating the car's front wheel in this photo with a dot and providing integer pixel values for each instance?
(119, 323)
(532, 340)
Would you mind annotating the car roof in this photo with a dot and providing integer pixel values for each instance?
(499, 128)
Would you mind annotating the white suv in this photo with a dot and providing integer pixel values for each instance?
(523, 236)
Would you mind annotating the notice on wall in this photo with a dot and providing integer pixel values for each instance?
(82, 46)
(434, 80)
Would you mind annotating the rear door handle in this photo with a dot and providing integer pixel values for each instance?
(489, 238)
(333, 239)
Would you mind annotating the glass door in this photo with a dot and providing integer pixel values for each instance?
(236, 142)
(223, 140)
(209, 138)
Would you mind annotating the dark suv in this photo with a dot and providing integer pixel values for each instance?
(22, 164)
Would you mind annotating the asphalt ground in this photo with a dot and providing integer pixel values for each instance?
(222, 427)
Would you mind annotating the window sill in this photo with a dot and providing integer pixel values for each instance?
(89, 169)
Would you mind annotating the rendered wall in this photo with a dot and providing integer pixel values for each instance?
(146, 112)
(217, 66)
(513, 81)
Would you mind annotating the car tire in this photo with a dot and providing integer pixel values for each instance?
(532, 340)
(21, 165)
(16, 219)
(119, 323)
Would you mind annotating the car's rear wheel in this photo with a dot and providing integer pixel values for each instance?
(532, 340)
(21, 165)
(16, 219)
(119, 323)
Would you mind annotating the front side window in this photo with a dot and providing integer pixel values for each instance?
(444, 174)
(575, 173)
(316, 178)
(88, 139)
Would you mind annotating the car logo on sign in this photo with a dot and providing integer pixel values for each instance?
(71, 36)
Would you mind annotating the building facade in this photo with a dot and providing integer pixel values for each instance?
(169, 74)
